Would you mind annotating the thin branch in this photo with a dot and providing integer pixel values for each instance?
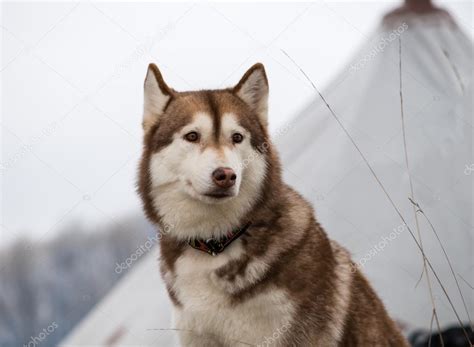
(469, 285)
(412, 194)
(455, 70)
(447, 259)
(420, 277)
(431, 328)
(441, 285)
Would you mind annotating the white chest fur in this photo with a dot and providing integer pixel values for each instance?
(207, 316)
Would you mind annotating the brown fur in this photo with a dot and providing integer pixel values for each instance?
(284, 233)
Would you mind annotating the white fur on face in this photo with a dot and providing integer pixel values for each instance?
(181, 175)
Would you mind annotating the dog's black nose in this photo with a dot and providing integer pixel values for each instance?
(224, 177)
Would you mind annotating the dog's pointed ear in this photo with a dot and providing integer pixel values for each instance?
(253, 90)
(157, 94)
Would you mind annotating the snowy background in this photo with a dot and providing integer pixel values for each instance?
(71, 97)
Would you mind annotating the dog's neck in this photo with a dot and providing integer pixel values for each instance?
(186, 218)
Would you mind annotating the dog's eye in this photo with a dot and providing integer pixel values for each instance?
(237, 138)
(192, 136)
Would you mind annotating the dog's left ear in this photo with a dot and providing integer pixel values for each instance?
(253, 90)
(157, 95)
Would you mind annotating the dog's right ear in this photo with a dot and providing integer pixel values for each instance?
(157, 95)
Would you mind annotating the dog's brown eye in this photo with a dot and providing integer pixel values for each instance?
(237, 138)
(192, 136)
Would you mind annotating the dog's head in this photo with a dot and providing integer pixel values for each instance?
(205, 153)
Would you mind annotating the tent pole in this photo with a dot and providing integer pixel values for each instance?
(419, 6)
(414, 7)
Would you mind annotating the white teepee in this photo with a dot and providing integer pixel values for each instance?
(136, 312)
(321, 161)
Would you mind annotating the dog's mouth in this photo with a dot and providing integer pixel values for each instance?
(214, 195)
(219, 195)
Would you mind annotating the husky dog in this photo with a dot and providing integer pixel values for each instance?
(244, 260)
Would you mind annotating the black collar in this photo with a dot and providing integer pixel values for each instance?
(213, 246)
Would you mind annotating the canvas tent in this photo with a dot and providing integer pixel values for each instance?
(321, 162)
(131, 314)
